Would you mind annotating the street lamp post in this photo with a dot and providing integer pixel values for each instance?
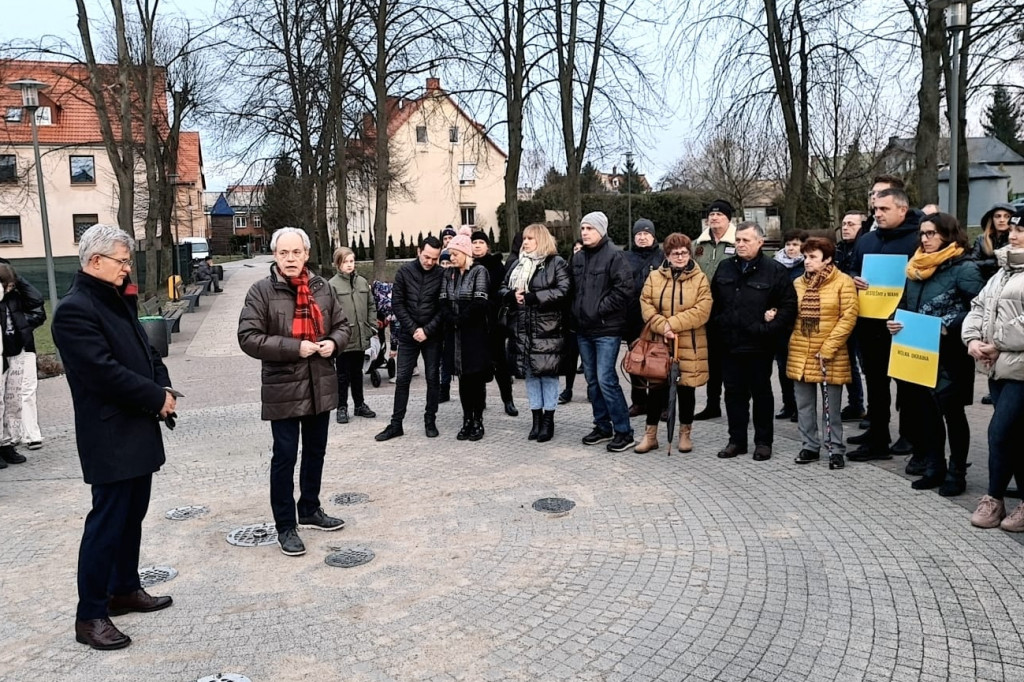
(172, 179)
(956, 23)
(30, 101)
(629, 196)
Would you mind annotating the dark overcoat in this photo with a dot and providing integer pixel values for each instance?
(537, 327)
(117, 380)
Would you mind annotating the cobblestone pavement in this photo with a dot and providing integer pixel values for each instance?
(668, 568)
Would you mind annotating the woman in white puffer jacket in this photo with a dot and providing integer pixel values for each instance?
(994, 334)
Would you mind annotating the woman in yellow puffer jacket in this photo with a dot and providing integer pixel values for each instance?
(676, 300)
(826, 317)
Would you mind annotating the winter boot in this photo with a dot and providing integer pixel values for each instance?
(535, 431)
(956, 480)
(467, 427)
(547, 426)
(934, 476)
(650, 440)
(685, 442)
(477, 427)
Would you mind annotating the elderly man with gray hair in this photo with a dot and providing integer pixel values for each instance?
(755, 305)
(121, 391)
(293, 323)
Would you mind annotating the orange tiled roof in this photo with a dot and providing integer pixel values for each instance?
(190, 159)
(73, 112)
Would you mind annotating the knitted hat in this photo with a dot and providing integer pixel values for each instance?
(598, 221)
(461, 242)
(722, 206)
(480, 235)
(448, 231)
(644, 225)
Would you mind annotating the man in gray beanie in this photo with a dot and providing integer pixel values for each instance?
(604, 292)
(644, 256)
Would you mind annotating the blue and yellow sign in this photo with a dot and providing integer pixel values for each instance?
(914, 355)
(886, 274)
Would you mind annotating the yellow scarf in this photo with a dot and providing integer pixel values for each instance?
(923, 265)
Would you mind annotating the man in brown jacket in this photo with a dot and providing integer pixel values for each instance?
(293, 323)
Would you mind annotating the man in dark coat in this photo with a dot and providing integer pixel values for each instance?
(497, 334)
(120, 390)
(897, 233)
(206, 273)
(294, 324)
(755, 305)
(852, 228)
(644, 257)
(602, 294)
(416, 302)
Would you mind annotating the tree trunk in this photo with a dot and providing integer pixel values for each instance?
(382, 156)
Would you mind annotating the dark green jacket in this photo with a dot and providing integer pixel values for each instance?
(353, 292)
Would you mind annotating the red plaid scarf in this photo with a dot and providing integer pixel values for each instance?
(308, 323)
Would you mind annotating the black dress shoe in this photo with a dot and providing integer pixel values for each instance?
(902, 446)
(138, 601)
(866, 453)
(712, 411)
(807, 456)
(786, 413)
(732, 450)
(762, 453)
(510, 409)
(101, 634)
(859, 439)
(565, 397)
(392, 431)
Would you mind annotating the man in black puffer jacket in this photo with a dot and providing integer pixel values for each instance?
(897, 234)
(498, 335)
(754, 307)
(644, 257)
(417, 305)
(603, 293)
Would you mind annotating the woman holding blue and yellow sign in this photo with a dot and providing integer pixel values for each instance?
(994, 334)
(942, 280)
(827, 314)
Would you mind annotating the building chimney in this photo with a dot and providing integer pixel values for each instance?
(433, 85)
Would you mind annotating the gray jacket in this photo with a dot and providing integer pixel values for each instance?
(997, 317)
(293, 386)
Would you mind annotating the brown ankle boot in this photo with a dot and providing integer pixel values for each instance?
(650, 441)
(685, 444)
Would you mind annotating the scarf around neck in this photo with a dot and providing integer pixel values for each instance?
(923, 265)
(308, 323)
(789, 262)
(521, 275)
(810, 304)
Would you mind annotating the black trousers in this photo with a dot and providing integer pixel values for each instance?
(472, 393)
(313, 431)
(748, 377)
(715, 353)
(785, 383)
(408, 353)
(571, 359)
(499, 359)
(931, 422)
(875, 340)
(108, 558)
(349, 366)
(657, 400)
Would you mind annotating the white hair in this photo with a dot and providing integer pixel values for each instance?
(101, 240)
(288, 230)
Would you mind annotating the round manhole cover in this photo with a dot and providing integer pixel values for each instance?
(253, 536)
(183, 513)
(224, 677)
(553, 505)
(154, 575)
(350, 557)
(350, 498)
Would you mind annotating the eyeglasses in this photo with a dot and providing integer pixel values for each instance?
(123, 262)
(678, 254)
(928, 234)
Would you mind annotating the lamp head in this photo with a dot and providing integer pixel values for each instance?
(29, 91)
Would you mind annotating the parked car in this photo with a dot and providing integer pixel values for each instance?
(200, 247)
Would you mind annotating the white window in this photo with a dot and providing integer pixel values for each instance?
(467, 173)
(453, 134)
(240, 222)
(43, 117)
(421, 134)
(257, 222)
(468, 215)
(13, 115)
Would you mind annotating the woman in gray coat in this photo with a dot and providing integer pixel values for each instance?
(535, 293)
(353, 293)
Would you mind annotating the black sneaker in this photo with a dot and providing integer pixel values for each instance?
(11, 456)
(291, 543)
(321, 521)
(364, 411)
(807, 456)
(712, 411)
(836, 462)
(621, 442)
(852, 414)
(392, 431)
(565, 397)
(342, 415)
(597, 436)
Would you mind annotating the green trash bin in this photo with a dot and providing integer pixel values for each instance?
(158, 332)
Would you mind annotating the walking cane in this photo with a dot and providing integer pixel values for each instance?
(673, 379)
(835, 461)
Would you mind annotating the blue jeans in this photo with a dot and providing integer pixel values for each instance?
(312, 430)
(542, 392)
(600, 357)
(1005, 432)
